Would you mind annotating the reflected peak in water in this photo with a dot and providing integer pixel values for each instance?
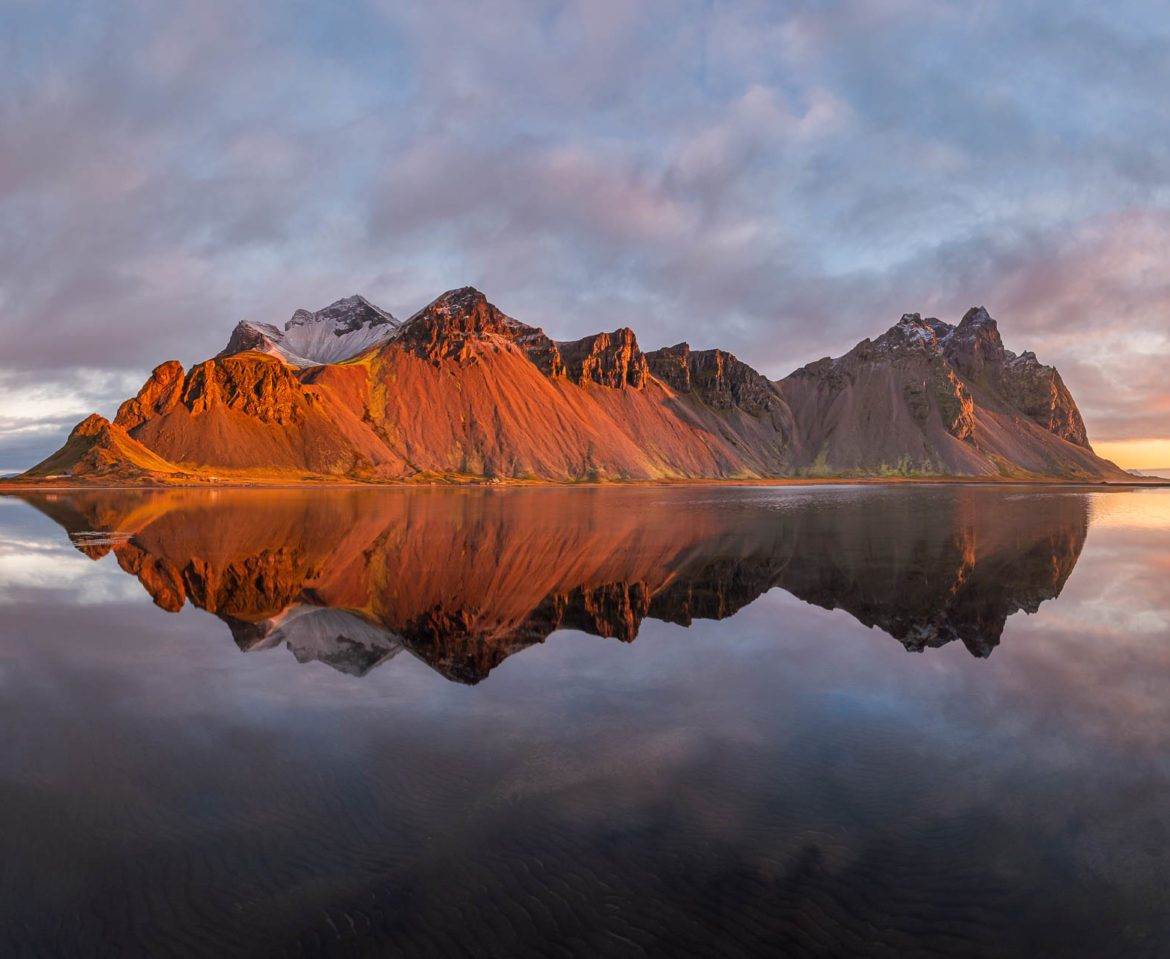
(464, 579)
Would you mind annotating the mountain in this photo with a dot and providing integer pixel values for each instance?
(339, 331)
(97, 449)
(929, 398)
(460, 391)
(323, 574)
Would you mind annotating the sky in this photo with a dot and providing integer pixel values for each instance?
(777, 179)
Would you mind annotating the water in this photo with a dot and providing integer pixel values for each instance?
(558, 722)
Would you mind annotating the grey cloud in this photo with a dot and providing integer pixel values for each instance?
(20, 450)
(778, 180)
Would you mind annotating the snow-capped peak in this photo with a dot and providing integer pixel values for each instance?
(339, 331)
(346, 315)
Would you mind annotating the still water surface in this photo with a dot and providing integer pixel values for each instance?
(885, 721)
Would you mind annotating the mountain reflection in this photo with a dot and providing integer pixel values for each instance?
(464, 579)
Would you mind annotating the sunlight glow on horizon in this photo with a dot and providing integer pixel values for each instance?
(1136, 454)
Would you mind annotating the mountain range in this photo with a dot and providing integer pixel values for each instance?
(462, 392)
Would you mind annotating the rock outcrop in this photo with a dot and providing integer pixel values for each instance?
(258, 387)
(158, 396)
(607, 359)
(1038, 391)
(720, 380)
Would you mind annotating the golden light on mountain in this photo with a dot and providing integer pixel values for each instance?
(461, 392)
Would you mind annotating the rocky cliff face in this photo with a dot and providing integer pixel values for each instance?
(463, 391)
(1039, 392)
(720, 380)
(259, 387)
(915, 342)
(607, 359)
(158, 396)
(894, 404)
(974, 348)
(265, 390)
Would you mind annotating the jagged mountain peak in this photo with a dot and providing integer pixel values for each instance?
(337, 332)
(345, 315)
(975, 346)
(461, 311)
(912, 332)
(461, 324)
(460, 298)
(466, 307)
(92, 425)
(978, 316)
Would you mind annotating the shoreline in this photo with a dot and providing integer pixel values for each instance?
(51, 486)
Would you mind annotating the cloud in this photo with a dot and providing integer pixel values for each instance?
(1092, 300)
(780, 180)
